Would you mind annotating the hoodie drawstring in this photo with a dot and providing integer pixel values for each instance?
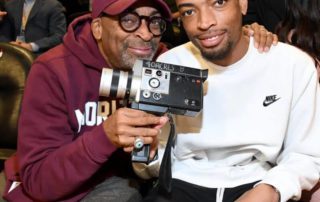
(220, 192)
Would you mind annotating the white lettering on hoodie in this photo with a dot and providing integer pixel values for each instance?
(95, 113)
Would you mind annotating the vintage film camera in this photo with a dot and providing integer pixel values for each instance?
(157, 88)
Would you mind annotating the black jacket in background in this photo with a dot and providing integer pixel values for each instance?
(1, 5)
(6, 26)
(265, 12)
(45, 26)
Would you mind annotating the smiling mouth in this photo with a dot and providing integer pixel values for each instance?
(141, 51)
(211, 41)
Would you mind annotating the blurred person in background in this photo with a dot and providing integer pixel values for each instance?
(5, 26)
(265, 12)
(2, 10)
(36, 25)
(301, 27)
(75, 8)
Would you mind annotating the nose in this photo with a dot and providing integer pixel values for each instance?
(206, 19)
(143, 31)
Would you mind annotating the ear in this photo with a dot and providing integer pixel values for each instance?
(96, 28)
(243, 6)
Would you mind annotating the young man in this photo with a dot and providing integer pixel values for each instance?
(66, 150)
(257, 138)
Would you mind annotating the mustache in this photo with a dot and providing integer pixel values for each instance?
(210, 32)
(151, 44)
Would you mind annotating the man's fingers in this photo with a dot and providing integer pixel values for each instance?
(247, 30)
(144, 121)
(263, 39)
(129, 143)
(3, 13)
(132, 113)
(163, 121)
(128, 149)
(123, 126)
(137, 118)
(275, 39)
(143, 132)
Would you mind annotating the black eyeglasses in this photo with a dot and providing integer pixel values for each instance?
(130, 22)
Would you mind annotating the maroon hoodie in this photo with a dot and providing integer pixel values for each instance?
(63, 151)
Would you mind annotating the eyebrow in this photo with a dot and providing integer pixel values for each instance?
(155, 12)
(185, 5)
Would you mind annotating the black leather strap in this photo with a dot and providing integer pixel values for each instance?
(165, 175)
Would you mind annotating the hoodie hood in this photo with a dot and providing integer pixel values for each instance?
(81, 43)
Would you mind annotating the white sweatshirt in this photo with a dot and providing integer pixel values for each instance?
(260, 121)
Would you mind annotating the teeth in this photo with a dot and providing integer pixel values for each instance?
(212, 38)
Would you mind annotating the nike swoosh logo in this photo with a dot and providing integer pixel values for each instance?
(269, 102)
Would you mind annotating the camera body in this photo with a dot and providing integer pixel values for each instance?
(156, 88)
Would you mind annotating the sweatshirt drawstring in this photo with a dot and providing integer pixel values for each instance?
(220, 192)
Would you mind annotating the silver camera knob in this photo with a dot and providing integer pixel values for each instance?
(154, 83)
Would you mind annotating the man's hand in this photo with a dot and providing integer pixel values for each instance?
(261, 193)
(22, 44)
(125, 125)
(2, 13)
(263, 39)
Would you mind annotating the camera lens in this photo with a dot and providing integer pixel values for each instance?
(118, 84)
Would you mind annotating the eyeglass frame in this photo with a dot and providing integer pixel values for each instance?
(140, 17)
